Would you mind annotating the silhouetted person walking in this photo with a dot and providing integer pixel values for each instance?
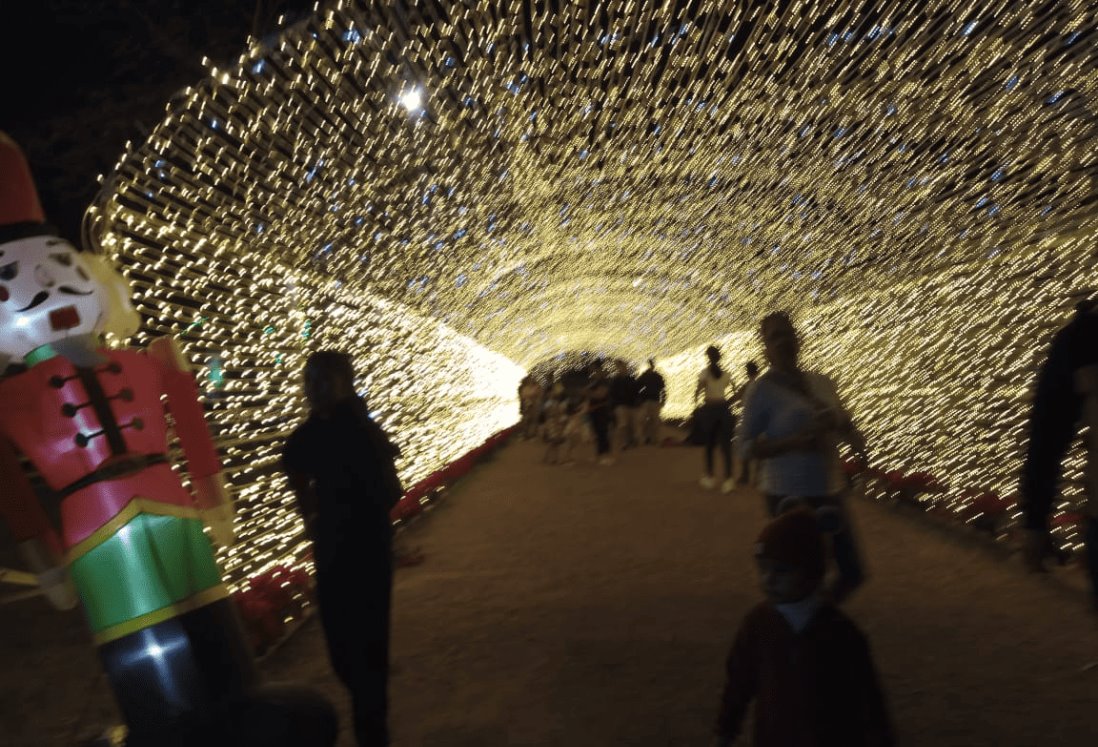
(1066, 397)
(653, 396)
(713, 420)
(599, 413)
(625, 397)
(747, 466)
(530, 401)
(340, 466)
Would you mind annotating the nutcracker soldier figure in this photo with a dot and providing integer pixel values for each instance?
(130, 544)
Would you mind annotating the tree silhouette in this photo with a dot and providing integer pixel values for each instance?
(83, 78)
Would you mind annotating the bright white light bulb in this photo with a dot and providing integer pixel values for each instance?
(412, 100)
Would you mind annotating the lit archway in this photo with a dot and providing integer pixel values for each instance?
(641, 177)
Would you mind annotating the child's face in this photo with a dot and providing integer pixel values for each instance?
(782, 583)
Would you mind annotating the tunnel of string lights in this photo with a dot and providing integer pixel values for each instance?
(457, 192)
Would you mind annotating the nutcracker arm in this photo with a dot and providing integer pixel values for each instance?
(49, 568)
(38, 543)
(212, 496)
(19, 506)
(215, 503)
(190, 420)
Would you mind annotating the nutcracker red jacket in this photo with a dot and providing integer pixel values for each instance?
(816, 688)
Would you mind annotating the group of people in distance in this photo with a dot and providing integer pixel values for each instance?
(617, 412)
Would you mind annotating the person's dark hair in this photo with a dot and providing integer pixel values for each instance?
(329, 375)
(714, 357)
(776, 316)
(752, 369)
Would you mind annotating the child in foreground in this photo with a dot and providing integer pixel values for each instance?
(806, 665)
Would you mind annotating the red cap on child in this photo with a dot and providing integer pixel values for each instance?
(794, 538)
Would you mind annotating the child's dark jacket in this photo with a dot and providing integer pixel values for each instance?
(817, 688)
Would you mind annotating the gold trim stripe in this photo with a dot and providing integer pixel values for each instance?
(122, 518)
(201, 599)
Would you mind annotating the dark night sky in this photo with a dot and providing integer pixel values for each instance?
(81, 77)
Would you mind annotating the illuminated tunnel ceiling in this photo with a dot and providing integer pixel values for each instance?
(633, 175)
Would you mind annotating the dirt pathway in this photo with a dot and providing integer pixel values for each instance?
(594, 606)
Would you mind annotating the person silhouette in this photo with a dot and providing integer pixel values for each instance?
(340, 465)
(1066, 397)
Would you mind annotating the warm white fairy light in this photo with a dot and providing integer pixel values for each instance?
(624, 176)
(412, 100)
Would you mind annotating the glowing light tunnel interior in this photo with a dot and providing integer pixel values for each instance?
(456, 191)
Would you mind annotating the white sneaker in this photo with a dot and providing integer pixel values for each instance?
(708, 482)
(727, 486)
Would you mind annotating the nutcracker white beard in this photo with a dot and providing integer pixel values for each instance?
(50, 294)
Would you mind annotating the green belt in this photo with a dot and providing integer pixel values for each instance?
(153, 568)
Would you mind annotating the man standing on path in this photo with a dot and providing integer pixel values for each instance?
(340, 467)
(747, 466)
(653, 395)
(1066, 397)
(599, 413)
(530, 393)
(624, 396)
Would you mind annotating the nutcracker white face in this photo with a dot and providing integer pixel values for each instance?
(49, 291)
